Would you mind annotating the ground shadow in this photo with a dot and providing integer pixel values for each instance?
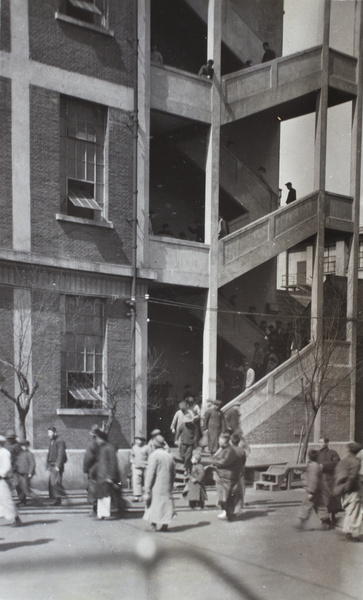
(251, 514)
(39, 522)
(14, 545)
(180, 528)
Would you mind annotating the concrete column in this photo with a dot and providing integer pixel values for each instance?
(143, 157)
(340, 259)
(321, 124)
(140, 410)
(355, 185)
(211, 206)
(20, 126)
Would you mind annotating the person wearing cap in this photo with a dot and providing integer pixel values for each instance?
(214, 424)
(291, 196)
(25, 467)
(151, 445)
(90, 467)
(7, 507)
(159, 480)
(108, 477)
(187, 439)
(347, 484)
(226, 463)
(178, 420)
(56, 459)
(195, 490)
(138, 458)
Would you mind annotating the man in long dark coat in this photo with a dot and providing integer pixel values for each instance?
(56, 459)
(227, 465)
(107, 473)
(214, 425)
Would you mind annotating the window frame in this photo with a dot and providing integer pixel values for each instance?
(83, 161)
(83, 362)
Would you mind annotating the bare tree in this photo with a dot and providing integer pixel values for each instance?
(27, 315)
(156, 371)
(326, 368)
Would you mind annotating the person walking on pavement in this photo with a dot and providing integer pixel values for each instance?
(90, 468)
(7, 507)
(347, 483)
(328, 460)
(313, 498)
(159, 480)
(25, 467)
(56, 459)
(108, 477)
(225, 461)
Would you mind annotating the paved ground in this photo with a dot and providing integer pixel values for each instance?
(65, 554)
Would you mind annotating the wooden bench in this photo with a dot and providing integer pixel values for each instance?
(276, 475)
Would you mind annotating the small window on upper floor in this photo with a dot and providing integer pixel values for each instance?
(89, 11)
(82, 159)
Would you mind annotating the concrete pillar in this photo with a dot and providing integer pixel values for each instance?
(355, 185)
(340, 258)
(143, 147)
(140, 410)
(211, 206)
(20, 126)
(321, 124)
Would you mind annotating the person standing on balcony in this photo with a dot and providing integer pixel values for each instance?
(291, 196)
(268, 53)
(250, 375)
(155, 56)
(207, 70)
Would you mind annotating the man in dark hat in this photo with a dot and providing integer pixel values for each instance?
(56, 459)
(14, 448)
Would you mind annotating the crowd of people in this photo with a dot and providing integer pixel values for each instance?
(332, 484)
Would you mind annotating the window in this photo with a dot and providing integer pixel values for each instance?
(83, 135)
(83, 351)
(89, 11)
(360, 255)
(329, 259)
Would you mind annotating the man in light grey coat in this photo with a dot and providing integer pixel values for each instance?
(160, 474)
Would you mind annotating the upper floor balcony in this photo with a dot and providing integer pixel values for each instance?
(245, 249)
(179, 262)
(180, 93)
(289, 83)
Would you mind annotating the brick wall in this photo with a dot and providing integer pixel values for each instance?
(81, 50)
(6, 221)
(284, 427)
(5, 40)
(47, 360)
(74, 240)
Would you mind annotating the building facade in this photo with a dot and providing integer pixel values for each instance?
(141, 221)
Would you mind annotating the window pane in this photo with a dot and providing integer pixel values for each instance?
(90, 363)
